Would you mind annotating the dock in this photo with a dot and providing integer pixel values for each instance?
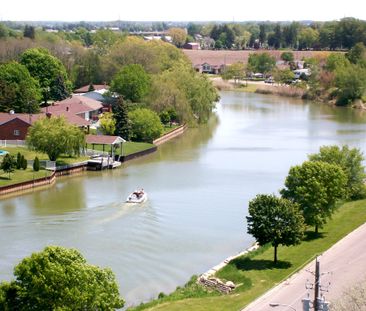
(102, 162)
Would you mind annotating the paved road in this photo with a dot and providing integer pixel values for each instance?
(346, 261)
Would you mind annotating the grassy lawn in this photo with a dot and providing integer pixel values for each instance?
(168, 128)
(128, 147)
(21, 175)
(30, 155)
(256, 272)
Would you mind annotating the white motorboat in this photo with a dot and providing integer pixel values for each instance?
(138, 196)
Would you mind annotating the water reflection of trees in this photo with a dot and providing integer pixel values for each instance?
(338, 114)
(66, 196)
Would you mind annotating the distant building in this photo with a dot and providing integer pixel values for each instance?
(191, 46)
(80, 106)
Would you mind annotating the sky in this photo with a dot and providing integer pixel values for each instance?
(183, 10)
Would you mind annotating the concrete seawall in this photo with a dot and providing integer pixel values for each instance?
(49, 180)
(170, 135)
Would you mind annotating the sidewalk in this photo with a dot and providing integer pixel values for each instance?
(346, 262)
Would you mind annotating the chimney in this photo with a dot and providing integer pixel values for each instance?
(67, 108)
(48, 115)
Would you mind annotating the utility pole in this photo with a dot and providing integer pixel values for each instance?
(319, 303)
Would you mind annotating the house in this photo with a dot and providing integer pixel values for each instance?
(83, 107)
(14, 126)
(210, 68)
(191, 46)
(85, 89)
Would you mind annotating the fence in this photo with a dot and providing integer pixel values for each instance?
(8, 142)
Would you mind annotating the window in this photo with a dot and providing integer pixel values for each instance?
(16, 132)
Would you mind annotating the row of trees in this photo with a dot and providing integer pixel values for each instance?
(340, 77)
(38, 75)
(156, 75)
(312, 191)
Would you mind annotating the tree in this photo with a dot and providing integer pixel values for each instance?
(107, 123)
(285, 76)
(275, 220)
(357, 53)
(132, 82)
(49, 71)
(261, 62)
(145, 125)
(8, 164)
(29, 32)
(316, 186)
(307, 38)
(19, 161)
(23, 162)
(178, 35)
(60, 279)
(55, 136)
(36, 165)
(235, 71)
(351, 162)
(120, 114)
(287, 56)
(18, 90)
(350, 82)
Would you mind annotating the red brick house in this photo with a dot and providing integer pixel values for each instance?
(14, 126)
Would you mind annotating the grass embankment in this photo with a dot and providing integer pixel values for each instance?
(19, 176)
(26, 175)
(256, 271)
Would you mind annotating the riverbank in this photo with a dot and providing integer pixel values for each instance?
(255, 273)
(47, 178)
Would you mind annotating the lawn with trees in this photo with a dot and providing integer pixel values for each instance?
(274, 221)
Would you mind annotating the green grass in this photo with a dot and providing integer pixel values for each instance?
(249, 88)
(19, 176)
(167, 128)
(256, 272)
(128, 147)
(30, 155)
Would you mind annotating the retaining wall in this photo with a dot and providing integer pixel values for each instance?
(29, 184)
(168, 136)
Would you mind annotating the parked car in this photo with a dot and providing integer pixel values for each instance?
(269, 80)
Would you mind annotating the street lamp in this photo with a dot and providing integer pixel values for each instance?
(276, 304)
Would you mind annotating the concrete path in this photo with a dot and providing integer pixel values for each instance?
(346, 262)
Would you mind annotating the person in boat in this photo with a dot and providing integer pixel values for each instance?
(139, 193)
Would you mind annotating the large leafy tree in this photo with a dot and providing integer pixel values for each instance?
(261, 62)
(178, 35)
(132, 82)
(145, 125)
(351, 162)
(275, 220)
(49, 71)
(18, 90)
(107, 123)
(122, 122)
(60, 279)
(316, 186)
(54, 136)
(235, 71)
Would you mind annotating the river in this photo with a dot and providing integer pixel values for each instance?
(198, 184)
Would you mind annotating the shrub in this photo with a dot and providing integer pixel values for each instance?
(36, 164)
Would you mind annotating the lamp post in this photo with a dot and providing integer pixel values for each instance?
(276, 304)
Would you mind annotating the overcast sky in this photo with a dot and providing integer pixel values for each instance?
(183, 10)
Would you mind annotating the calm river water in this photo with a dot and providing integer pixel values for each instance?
(199, 186)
